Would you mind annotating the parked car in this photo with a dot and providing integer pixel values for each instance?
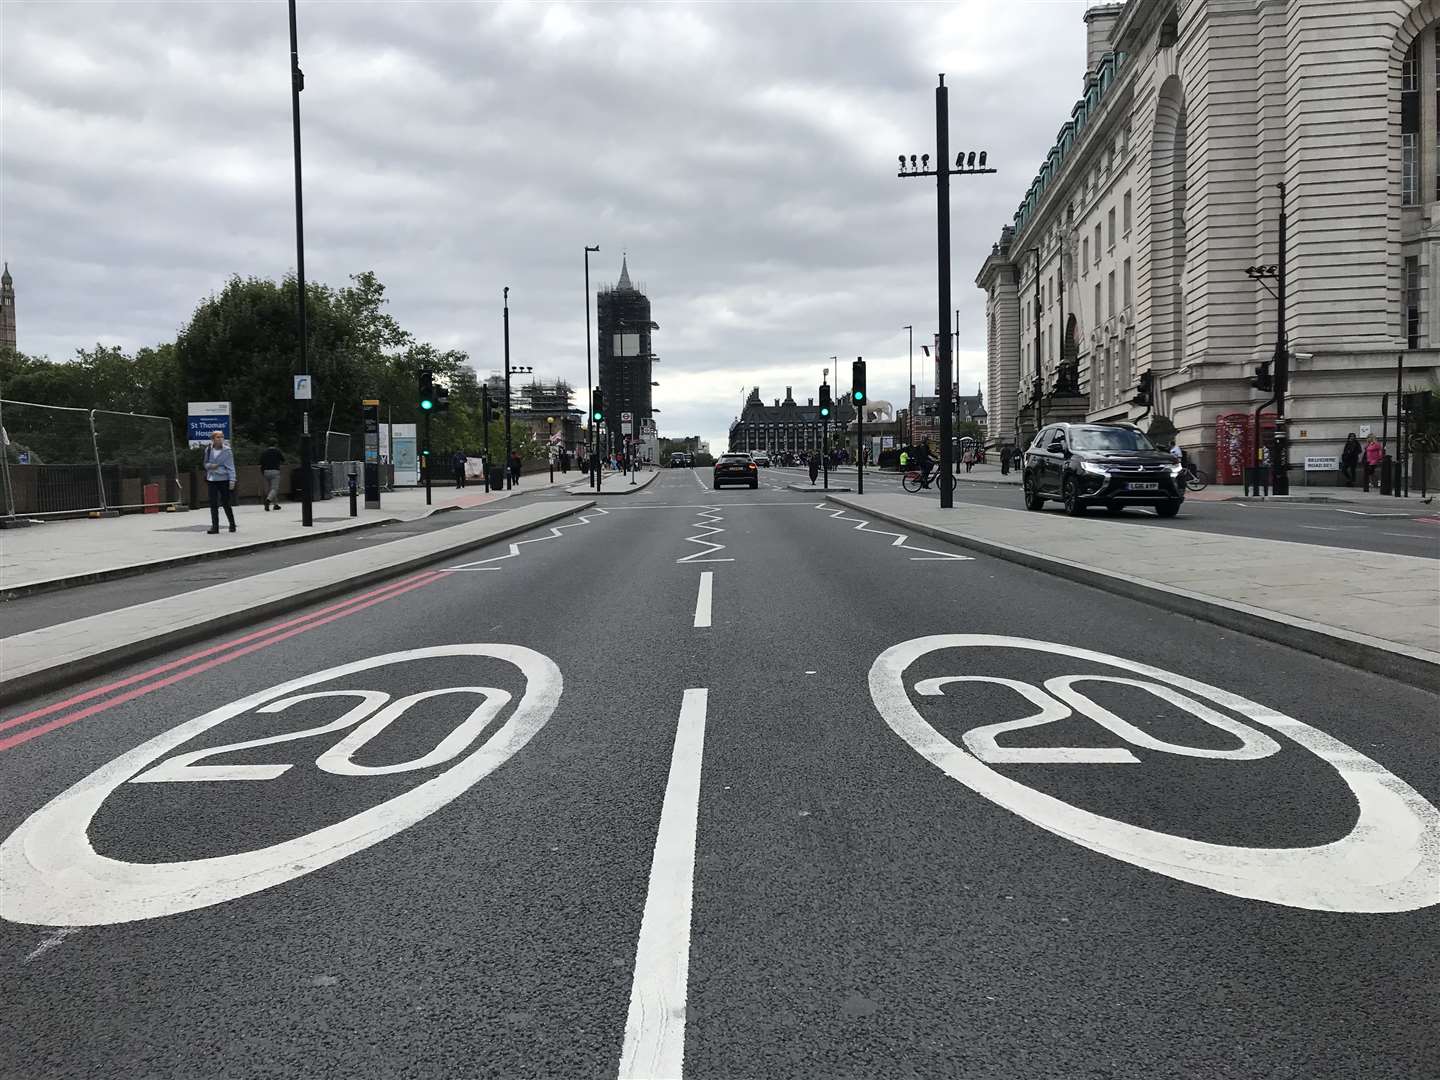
(1113, 466)
(736, 469)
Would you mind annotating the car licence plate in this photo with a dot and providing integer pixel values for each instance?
(1142, 487)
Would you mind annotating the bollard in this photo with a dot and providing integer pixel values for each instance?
(354, 506)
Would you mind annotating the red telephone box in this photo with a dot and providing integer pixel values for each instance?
(1235, 444)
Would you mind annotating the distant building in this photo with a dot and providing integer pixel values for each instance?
(626, 354)
(7, 311)
(787, 425)
(926, 421)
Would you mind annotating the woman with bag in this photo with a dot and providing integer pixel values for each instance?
(220, 473)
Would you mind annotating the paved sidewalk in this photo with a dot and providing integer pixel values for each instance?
(60, 655)
(1371, 609)
(52, 553)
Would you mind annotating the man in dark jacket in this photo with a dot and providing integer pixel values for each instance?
(271, 461)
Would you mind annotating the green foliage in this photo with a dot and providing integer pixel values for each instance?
(970, 428)
(241, 345)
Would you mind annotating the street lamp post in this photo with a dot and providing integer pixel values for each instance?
(550, 445)
(593, 464)
(910, 408)
(509, 475)
(297, 83)
(964, 166)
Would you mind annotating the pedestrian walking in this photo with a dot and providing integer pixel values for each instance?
(1374, 453)
(968, 458)
(271, 461)
(1349, 458)
(220, 474)
(515, 468)
(1005, 460)
(457, 466)
(814, 468)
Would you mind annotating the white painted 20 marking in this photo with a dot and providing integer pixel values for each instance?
(1390, 860)
(54, 877)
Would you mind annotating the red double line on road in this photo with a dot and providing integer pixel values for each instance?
(217, 654)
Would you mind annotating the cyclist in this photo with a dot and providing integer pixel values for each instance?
(923, 462)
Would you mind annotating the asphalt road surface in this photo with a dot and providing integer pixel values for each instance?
(782, 796)
(1401, 527)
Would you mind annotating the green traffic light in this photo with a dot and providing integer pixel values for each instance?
(599, 416)
(427, 405)
(824, 412)
(859, 395)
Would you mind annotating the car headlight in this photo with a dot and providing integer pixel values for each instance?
(1094, 469)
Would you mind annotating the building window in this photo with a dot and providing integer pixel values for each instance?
(1110, 294)
(1110, 226)
(1052, 343)
(1410, 168)
(1126, 283)
(1085, 256)
(1410, 71)
(1412, 301)
(1127, 213)
(1097, 243)
(1098, 308)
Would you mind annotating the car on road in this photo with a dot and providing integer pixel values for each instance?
(736, 469)
(1109, 465)
(679, 461)
(761, 459)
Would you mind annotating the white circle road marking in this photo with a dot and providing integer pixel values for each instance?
(53, 876)
(1390, 860)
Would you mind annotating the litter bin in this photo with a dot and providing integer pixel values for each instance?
(324, 488)
(496, 476)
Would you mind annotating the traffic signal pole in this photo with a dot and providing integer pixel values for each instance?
(1280, 480)
(509, 477)
(942, 235)
(425, 458)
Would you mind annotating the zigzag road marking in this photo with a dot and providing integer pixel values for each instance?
(930, 554)
(555, 531)
(712, 512)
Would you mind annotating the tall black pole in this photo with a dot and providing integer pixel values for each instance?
(910, 408)
(509, 474)
(942, 205)
(1280, 482)
(859, 442)
(593, 464)
(297, 83)
(425, 458)
(485, 433)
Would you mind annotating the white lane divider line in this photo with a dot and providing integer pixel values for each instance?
(555, 531)
(713, 513)
(695, 473)
(50, 942)
(930, 555)
(702, 599)
(654, 1047)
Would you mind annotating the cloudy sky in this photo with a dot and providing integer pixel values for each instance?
(742, 154)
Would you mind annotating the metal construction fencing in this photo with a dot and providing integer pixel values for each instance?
(58, 460)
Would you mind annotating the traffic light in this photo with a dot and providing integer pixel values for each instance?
(427, 391)
(597, 405)
(1144, 389)
(442, 399)
(857, 381)
(824, 401)
(1262, 380)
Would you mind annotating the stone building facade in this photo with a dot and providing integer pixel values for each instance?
(625, 354)
(1128, 253)
(788, 425)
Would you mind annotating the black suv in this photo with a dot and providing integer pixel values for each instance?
(1105, 465)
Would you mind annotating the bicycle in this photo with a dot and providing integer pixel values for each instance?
(1195, 480)
(912, 481)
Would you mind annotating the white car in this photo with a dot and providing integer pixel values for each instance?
(763, 460)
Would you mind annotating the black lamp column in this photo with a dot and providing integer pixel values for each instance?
(1280, 481)
(297, 83)
(509, 474)
(594, 464)
(942, 172)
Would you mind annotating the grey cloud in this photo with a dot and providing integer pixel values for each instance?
(742, 154)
